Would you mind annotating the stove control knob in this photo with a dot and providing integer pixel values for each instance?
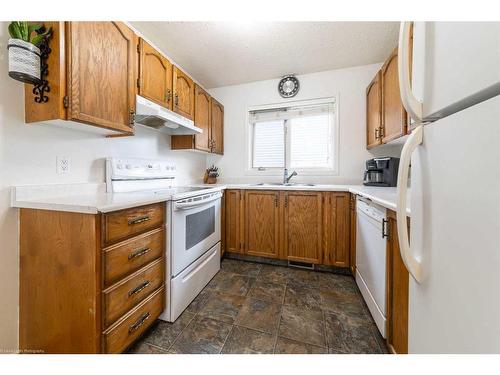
(119, 166)
(128, 166)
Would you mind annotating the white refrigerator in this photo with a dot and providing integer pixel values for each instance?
(453, 97)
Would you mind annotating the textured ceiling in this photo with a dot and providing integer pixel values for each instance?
(224, 53)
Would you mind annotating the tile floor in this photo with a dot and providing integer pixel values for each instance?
(257, 308)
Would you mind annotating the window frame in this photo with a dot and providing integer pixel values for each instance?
(331, 171)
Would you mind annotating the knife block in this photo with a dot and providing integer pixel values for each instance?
(209, 180)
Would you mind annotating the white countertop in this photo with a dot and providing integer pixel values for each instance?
(92, 198)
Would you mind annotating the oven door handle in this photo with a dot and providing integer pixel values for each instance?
(188, 205)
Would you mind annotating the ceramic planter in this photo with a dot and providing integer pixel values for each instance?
(24, 61)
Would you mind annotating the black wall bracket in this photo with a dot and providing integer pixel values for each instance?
(43, 87)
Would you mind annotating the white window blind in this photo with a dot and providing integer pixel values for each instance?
(299, 137)
(269, 144)
(310, 142)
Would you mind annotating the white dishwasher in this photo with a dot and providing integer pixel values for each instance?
(371, 241)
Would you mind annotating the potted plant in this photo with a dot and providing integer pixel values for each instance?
(24, 51)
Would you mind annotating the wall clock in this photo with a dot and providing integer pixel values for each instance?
(288, 86)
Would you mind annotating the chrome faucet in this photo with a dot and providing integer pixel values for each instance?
(286, 177)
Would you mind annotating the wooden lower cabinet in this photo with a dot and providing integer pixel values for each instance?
(303, 226)
(118, 337)
(337, 215)
(233, 217)
(262, 223)
(298, 226)
(352, 234)
(89, 283)
(397, 292)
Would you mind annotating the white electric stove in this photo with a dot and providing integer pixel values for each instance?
(193, 227)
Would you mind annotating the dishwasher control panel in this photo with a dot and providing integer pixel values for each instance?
(371, 209)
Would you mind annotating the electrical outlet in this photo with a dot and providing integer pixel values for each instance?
(63, 164)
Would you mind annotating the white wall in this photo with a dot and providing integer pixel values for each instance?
(28, 156)
(348, 85)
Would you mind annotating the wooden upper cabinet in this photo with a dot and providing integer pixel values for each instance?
(337, 251)
(208, 115)
(155, 75)
(233, 221)
(101, 74)
(386, 118)
(183, 88)
(217, 127)
(393, 113)
(303, 226)
(374, 112)
(202, 118)
(92, 77)
(262, 223)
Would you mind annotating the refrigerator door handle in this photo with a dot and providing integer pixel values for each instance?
(412, 105)
(412, 264)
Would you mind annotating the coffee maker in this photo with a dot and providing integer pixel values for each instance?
(381, 172)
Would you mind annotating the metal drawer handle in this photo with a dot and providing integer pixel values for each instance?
(139, 288)
(139, 322)
(138, 253)
(139, 220)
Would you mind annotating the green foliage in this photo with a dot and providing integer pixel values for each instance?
(29, 33)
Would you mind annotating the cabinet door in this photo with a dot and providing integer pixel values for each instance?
(303, 226)
(202, 118)
(262, 223)
(352, 242)
(373, 112)
(393, 113)
(155, 75)
(233, 217)
(183, 87)
(102, 74)
(337, 251)
(217, 127)
(397, 292)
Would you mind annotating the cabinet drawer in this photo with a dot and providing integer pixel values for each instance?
(124, 295)
(117, 338)
(122, 224)
(122, 259)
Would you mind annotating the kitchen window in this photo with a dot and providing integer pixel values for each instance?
(300, 137)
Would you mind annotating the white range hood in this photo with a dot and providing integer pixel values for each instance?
(155, 116)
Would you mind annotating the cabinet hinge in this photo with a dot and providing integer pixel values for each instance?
(138, 48)
(131, 117)
(138, 83)
(66, 101)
